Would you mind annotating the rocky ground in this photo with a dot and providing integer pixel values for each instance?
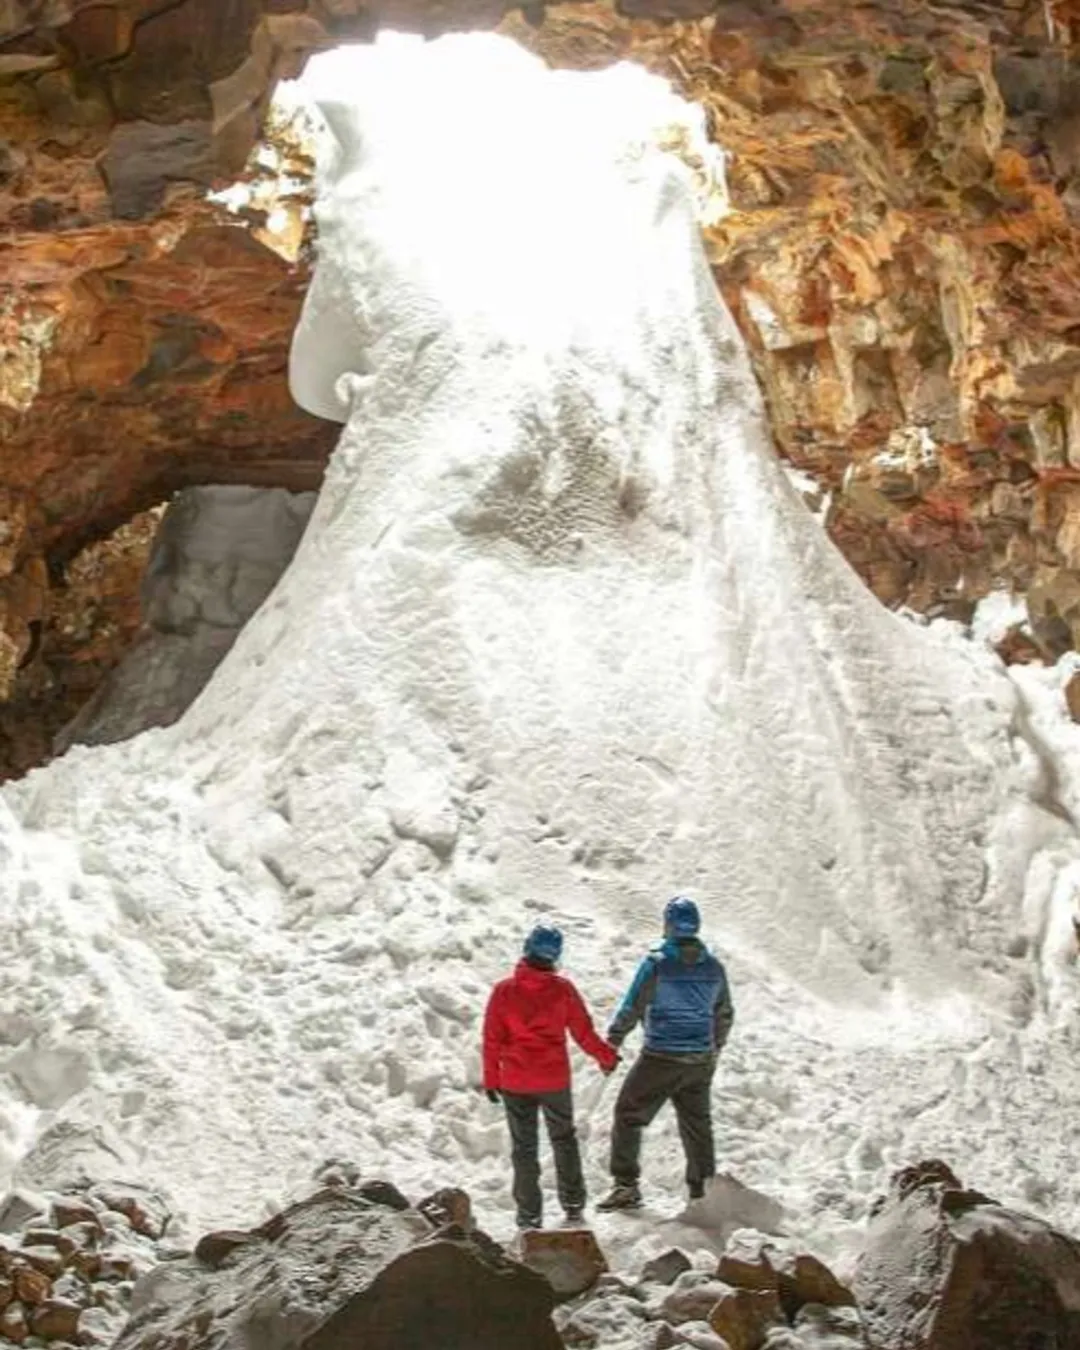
(901, 258)
(354, 1262)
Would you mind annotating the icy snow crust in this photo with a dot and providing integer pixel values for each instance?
(560, 640)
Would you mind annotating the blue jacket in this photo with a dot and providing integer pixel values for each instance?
(681, 993)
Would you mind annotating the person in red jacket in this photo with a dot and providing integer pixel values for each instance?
(526, 1064)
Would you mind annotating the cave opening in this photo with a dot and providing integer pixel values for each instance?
(137, 622)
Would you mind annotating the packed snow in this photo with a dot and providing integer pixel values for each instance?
(561, 639)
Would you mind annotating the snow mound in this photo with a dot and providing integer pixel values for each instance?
(560, 639)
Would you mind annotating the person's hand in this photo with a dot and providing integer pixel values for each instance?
(492, 1096)
(608, 1069)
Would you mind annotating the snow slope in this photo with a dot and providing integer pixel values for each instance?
(560, 639)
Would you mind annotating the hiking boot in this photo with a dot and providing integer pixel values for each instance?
(623, 1195)
(697, 1190)
(526, 1223)
(575, 1217)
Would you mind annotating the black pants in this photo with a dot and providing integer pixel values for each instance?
(522, 1114)
(685, 1082)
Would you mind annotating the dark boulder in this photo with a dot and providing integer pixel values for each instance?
(338, 1271)
(667, 1267)
(945, 1268)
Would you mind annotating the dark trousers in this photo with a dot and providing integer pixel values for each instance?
(523, 1115)
(685, 1082)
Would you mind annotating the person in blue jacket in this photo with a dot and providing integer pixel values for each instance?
(681, 994)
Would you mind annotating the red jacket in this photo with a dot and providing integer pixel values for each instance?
(525, 1029)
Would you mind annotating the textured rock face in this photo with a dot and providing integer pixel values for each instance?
(945, 1268)
(336, 1271)
(571, 1262)
(902, 259)
(85, 617)
(217, 555)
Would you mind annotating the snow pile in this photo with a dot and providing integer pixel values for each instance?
(560, 639)
(996, 614)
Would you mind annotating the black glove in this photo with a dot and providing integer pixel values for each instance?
(608, 1070)
(492, 1096)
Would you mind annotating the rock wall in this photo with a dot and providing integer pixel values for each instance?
(902, 261)
(902, 258)
(86, 617)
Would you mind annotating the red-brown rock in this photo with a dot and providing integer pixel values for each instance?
(569, 1259)
(56, 1319)
(13, 1324)
(1072, 696)
(945, 1268)
(31, 1286)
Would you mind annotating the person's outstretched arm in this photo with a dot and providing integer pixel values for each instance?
(634, 1006)
(580, 1025)
(494, 1039)
(723, 1016)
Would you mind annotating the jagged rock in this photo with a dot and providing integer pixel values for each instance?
(666, 1268)
(143, 1209)
(48, 1237)
(31, 1286)
(99, 1326)
(570, 1260)
(699, 1335)
(19, 1207)
(742, 1317)
(692, 1298)
(946, 1268)
(802, 1279)
(611, 1318)
(83, 1235)
(56, 1319)
(337, 1270)
(747, 1262)
(115, 1263)
(214, 1249)
(383, 1193)
(143, 159)
(1072, 696)
(830, 1328)
(70, 1210)
(48, 1260)
(217, 555)
(52, 1274)
(87, 1263)
(13, 1323)
(450, 1205)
